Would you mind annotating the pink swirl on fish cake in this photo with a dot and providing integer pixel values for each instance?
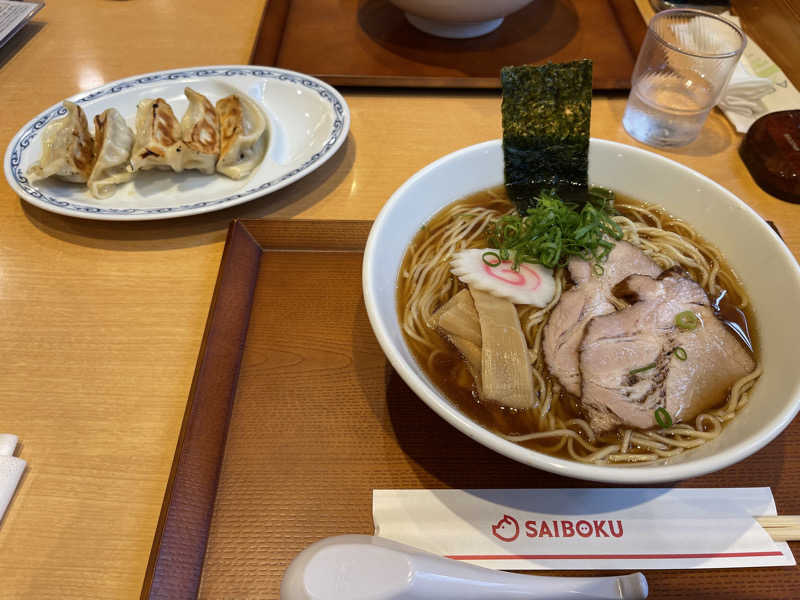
(517, 278)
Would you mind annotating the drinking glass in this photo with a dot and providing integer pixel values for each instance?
(684, 64)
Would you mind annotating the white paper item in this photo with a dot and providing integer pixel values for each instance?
(13, 15)
(757, 87)
(11, 469)
(585, 528)
(745, 91)
(8, 444)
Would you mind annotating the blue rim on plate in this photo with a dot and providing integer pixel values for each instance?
(35, 195)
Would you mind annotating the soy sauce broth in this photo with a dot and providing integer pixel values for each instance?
(449, 373)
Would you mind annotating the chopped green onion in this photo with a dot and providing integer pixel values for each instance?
(679, 353)
(602, 194)
(554, 230)
(663, 418)
(488, 256)
(686, 320)
(641, 369)
(598, 269)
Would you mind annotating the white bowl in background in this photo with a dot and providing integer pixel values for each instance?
(765, 265)
(458, 18)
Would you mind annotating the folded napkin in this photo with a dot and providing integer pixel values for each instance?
(11, 469)
(757, 87)
(745, 91)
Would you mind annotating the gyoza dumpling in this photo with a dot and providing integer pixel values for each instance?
(157, 144)
(67, 148)
(243, 136)
(200, 127)
(113, 141)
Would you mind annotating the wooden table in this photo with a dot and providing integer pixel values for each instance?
(101, 322)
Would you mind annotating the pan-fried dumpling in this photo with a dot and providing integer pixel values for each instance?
(67, 148)
(157, 144)
(200, 127)
(113, 141)
(243, 136)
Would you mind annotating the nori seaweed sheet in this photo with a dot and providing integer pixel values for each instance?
(546, 112)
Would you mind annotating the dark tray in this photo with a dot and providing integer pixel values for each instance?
(295, 416)
(370, 43)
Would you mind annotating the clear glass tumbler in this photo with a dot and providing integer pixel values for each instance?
(684, 64)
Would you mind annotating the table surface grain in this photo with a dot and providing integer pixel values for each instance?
(102, 322)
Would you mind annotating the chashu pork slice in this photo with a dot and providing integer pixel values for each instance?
(628, 363)
(487, 333)
(565, 328)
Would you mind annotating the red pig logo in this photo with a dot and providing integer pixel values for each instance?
(507, 529)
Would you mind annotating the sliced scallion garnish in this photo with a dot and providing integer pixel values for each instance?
(492, 258)
(680, 353)
(642, 369)
(601, 193)
(554, 230)
(686, 320)
(663, 418)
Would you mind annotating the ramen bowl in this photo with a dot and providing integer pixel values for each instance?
(458, 18)
(766, 267)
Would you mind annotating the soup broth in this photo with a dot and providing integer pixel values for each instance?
(555, 407)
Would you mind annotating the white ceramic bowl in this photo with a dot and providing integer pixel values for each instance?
(458, 18)
(769, 271)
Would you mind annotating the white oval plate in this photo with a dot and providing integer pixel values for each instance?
(308, 122)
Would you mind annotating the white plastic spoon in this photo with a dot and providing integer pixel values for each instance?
(362, 567)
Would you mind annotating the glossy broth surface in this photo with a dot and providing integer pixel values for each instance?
(448, 371)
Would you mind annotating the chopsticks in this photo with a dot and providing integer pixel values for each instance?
(781, 528)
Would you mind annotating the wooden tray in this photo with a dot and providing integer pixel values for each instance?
(370, 43)
(295, 416)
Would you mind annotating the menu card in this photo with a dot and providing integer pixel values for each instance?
(13, 15)
(562, 529)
